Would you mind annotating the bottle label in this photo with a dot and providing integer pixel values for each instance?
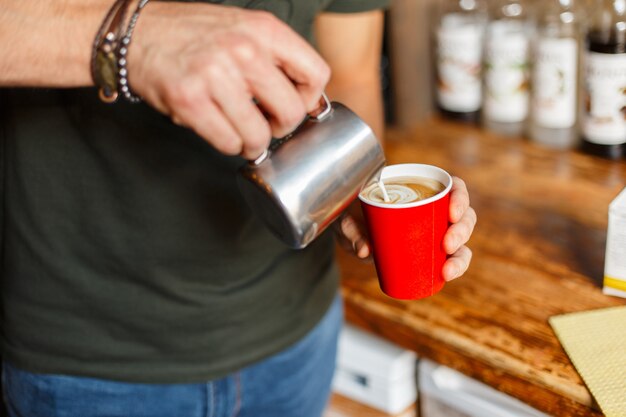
(506, 76)
(605, 101)
(555, 76)
(459, 54)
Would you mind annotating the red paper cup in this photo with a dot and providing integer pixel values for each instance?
(407, 239)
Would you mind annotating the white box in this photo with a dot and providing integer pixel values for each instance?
(615, 256)
(374, 371)
(445, 392)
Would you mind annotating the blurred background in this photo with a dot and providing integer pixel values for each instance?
(526, 101)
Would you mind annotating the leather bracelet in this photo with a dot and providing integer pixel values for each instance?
(108, 60)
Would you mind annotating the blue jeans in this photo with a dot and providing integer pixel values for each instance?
(293, 383)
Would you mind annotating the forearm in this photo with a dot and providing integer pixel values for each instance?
(363, 96)
(351, 44)
(48, 43)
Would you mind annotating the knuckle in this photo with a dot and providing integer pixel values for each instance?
(457, 239)
(471, 223)
(473, 216)
(293, 115)
(466, 261)
(244, 50)
(294, 120)
(466, 221)
(461, 202)
(259, 140)
(182, 93)
(323, 73)
(459, 266)
(460, 183)
(215, 71)
(465, 233)
(210, 62)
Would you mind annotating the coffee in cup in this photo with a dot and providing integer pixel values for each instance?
(403, 190)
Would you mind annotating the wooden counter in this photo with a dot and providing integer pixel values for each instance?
(538, 251)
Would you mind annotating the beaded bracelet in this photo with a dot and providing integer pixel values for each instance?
(123, 50)
(108, 63)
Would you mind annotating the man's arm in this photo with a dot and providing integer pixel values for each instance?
(204, 65)
(351, 44)
(48, 43)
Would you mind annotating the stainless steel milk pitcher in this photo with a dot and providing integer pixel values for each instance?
(302, 183)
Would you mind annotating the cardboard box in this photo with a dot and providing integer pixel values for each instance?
(615, 257)
(375, 372)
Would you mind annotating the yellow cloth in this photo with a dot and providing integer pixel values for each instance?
(596, 344)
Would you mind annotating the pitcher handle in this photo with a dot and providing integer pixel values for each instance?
(319, 114)
(323, 109)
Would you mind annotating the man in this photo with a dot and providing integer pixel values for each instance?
(136, 282)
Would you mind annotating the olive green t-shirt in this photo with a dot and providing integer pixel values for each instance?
(128, 252)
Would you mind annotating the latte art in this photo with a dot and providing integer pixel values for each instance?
(398, 194)
(403, 190)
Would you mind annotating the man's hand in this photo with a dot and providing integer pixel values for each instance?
(463, 219)
(236, 77)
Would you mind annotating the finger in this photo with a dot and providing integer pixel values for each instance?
(341, 238)
(345, 243)
(229, 91)
(457, 264)
(459, 233)
(177, 121)
(350, 229)
(278, 97)
(354, 234)
(190, 106)
(362, 249)
(299, 60)
(459, 199)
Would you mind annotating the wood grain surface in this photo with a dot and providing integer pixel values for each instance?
(538, 251)
(341, 406)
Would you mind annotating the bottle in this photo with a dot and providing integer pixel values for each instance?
(557, 53)
(459, 43)
(604, 123)
(506, 68)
